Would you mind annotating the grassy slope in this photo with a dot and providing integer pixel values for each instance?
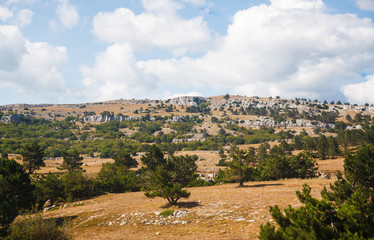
(217, 212)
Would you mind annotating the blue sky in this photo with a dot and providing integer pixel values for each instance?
(69, 51)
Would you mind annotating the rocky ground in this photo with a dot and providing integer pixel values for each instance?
(217, 212)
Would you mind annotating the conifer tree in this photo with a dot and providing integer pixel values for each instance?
(242, 165)
(346, 211)
(33, 157)
(72, 161)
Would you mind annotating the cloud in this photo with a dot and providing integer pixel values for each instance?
(158, 26)
(196, 2)
(39, 68)
(174, 95)
(365, 4)
(12, 47)
(360, 92)
(291, 48)
(297, 4)
(115, 75)
(24, 17)
(67, 14)
(5, 13)
(9, 2)
(29, 67)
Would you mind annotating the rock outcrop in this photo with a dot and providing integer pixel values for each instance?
(287, 124)
(185, 101)
(103, 119)
(10, 119)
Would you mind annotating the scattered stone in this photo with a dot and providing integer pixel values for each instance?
(47, 203)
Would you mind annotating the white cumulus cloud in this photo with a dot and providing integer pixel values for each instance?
(5, 13)
(365, 4)
(292, 48)
(29, 67)
(24, 17)
(115, 75)
(12, 47)
(360, 92)
(158, 26)
(67, 14)
(298, 4)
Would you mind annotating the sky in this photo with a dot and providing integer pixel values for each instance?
(75, 51)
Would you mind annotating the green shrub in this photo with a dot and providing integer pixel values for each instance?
(35, 227)
(77, 186)
(167, 212)
(116, 179)
(199, 182)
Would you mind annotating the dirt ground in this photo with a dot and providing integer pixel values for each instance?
(216, 212)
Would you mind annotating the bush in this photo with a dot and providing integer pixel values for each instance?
(76, 186)
(35, 227)
(48, 187)
(116, 179)
(167, 212)
(199, 182)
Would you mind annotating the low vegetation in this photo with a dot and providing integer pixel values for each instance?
(343, 212)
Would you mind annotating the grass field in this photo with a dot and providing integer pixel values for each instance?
(216, 212)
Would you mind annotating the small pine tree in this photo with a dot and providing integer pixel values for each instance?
(322, 146)
(72, 161)
(153, 158)
(124, 159)
(333, 149)
(162, 185)
(33, 157)
(242, 165)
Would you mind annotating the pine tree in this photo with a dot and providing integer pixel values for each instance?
(124, 159)
(153, 158)
(162, 185)
(242, 165)
(72, 161)
(333, 149)
(33, 157)
(322, 146)
(345, 211)
(16, 191)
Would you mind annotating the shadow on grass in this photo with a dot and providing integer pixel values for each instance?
(60, 221)
(261, 185)
(183, 205)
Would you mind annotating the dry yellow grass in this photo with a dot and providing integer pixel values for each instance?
(217, 212)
